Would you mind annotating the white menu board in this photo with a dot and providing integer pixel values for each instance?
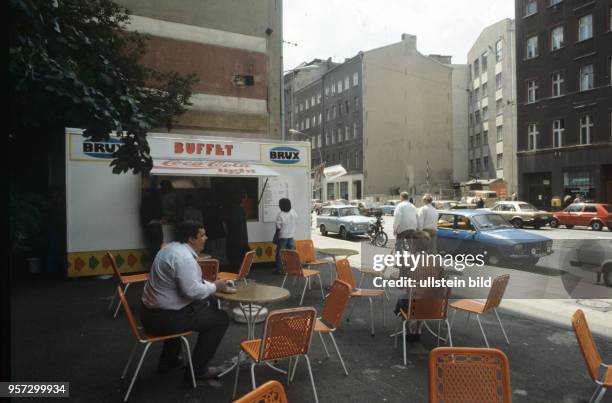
(276, 189)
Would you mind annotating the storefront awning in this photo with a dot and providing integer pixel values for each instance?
(210, 168)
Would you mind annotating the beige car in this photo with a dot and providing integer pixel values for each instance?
(522, 214)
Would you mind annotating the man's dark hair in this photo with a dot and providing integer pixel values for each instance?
(285, 205)
(187, 229)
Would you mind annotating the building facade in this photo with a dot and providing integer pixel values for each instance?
(492, 109)
(564, 95)
(234, 48)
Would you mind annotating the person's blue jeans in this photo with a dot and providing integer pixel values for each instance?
(283, 243)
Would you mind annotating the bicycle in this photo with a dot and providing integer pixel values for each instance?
(376, 233)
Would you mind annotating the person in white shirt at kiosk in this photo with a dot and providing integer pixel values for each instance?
(285, 227)
(428, 222)
(176, 299)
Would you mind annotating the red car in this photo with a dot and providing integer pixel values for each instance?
(594, 215)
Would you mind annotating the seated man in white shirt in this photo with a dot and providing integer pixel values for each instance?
(175, 299)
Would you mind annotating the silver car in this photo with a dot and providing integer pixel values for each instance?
(345, 220)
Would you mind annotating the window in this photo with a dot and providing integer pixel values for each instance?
(558, 130)
(301, 107)
(307, 105)
(476, 93)
(585, 27)
(312, 101)
(327, 113)
(319, 141)
(318, 98)
(307, 123)
(485, 113)
(333, 88)
(485, 163)
(586, 77)
(500, 160)
(485, 137)
(339, 86)
(346, 83)
(485, 90)
(557, 82)
(556, 38)
(476, 68)
(498, 50)
(355, 79)
(320, 118)
(484, 62)
(354, 130)
(498, 81)
(477, 164)
(314, 121)
(532, 91)
(333, 138)
(477, 117)
(339, 135)
(357, 159)
(471, 141)
(586, 127)
(346, 106)
(334, 112)
(471, 120)
(356, 103)
(347, 133)
(327, 142)
(471, 165)
(532, 135)
(531, 7)
(478, 140)
(296, 109)
(326, 91)
(499, 106)
(532, 47)
(500, 133)
(553, 2)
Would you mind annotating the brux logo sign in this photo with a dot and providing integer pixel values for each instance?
(285, 155)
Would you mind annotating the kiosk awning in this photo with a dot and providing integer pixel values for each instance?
(210, 168)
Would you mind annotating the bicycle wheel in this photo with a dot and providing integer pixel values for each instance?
(381, 239)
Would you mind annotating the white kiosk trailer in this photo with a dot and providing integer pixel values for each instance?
(103, 208)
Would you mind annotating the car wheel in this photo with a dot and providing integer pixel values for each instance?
(517, 222)
(596, 225)
(343, 233)
(554, 223)
(323, 230)
(381, 239)
(569, 226)
(492, 257)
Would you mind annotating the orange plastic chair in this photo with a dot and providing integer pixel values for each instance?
(496, 293)
(293, 267)
(124, 281)
(147, 340)
(287, 334)
(305, 248)
(210, 269)
(591, 356)
(245, 268)
(343, 269)
(460, 374)
(269, 392)
(329, 321)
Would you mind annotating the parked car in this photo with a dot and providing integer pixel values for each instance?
(345, 220)
(444, 204)
(389, 206)
(488, 196)
(521, 213)
(594, 215)
(482, 231)
(367, 208)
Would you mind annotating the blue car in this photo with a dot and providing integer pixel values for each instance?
(482, 231)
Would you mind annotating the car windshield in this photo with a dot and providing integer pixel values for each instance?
(490, 221)
(527, 207)
(343, 212)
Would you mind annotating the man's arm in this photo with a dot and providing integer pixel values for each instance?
(189, 279)
(420, 218)
(397, 218)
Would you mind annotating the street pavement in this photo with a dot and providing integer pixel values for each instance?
(550, 292)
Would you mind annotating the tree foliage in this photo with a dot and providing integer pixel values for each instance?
(72, 63)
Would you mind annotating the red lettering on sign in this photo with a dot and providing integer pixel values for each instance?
(209, 148)
(200, 148)
(228, 149)
(218, 150)
(190, 148)
(178, 148)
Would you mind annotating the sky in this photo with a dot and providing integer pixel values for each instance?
(341, 28)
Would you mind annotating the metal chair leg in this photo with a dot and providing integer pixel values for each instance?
(382, 300)
(371, 316)
(297, 359)
(236, 377)
(110, 306)
(253, 376)
(144, 353)
(289, 370)
(599, 393)
(501, 325)
(467, 321)
(314, 388)
(284, 279)
(304, 290)
(321, 285)
(438, 335)
(331, 335)
(482, 330)
(404, 324)
(323, 342)
(119, 304)
(127, 365)
(187, 352)
(448, 327)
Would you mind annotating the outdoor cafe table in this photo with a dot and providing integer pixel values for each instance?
(337, 252)
(247, 295)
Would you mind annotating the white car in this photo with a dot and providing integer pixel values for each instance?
(345, 220)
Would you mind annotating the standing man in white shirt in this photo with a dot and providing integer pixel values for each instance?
(404, 221)
(175, 299)
(428, 222)
(285, 227)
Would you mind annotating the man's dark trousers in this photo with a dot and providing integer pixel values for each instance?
(200, 316)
